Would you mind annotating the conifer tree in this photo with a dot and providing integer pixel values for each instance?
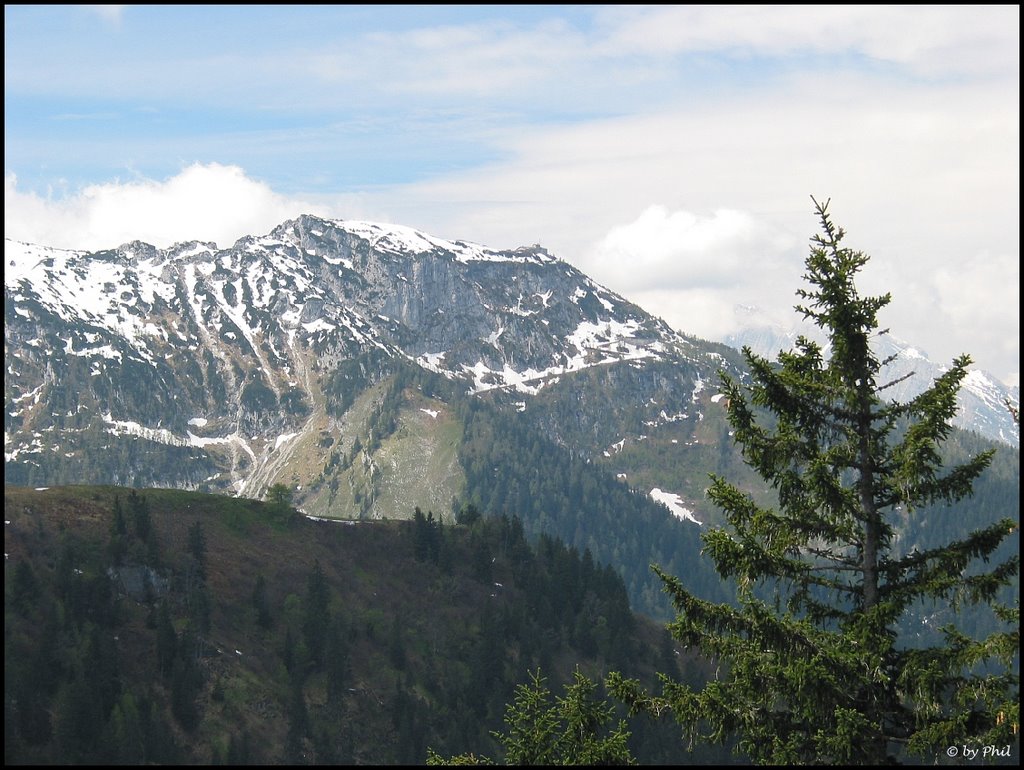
(577, 729)
(279, 495)
(812, 666)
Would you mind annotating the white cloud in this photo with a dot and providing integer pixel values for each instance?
(690, 269)
(112, 14)
(995, 280)
(203, 202)
(680, 249)
(937, 41)
(480, 60)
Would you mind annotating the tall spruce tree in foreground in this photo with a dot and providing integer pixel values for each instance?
(812, 669)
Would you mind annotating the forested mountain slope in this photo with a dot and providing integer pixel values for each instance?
(161, 626)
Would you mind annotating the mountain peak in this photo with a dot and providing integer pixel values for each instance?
(407, 241)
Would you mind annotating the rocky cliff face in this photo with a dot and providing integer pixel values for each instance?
(225, 369)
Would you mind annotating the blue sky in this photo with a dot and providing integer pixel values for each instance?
(668, 151)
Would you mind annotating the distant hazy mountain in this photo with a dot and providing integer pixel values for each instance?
(982, 398)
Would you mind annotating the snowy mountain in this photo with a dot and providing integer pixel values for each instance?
(230, 369)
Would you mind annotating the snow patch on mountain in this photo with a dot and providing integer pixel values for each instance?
(400, 239)
(132, 428)
(675, 504)
(164, 436)
(284, 438)
(595, 344)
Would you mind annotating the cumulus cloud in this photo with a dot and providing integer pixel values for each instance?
(210, 202)
(679, 249)
(689, 268)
